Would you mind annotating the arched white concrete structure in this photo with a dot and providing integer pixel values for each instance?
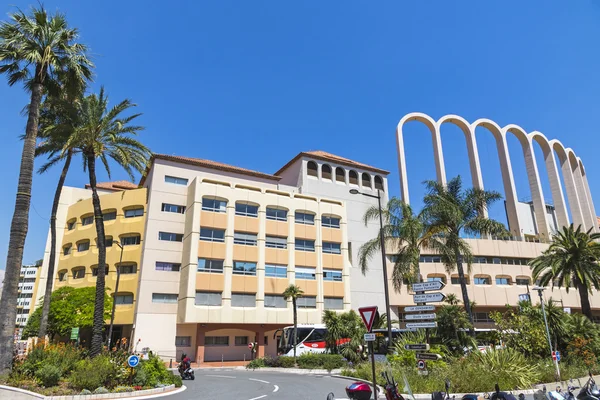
(577, 186)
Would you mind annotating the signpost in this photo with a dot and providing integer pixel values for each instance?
(421, 364)
(418, 346)
(429, 297)
(420, 316)
(133, 362)
(74, 333)
(419, 308)
(368, 316)
(429, 324)
(428, 356)
(428, 286)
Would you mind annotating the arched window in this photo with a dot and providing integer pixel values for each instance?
(378, 182)
(340, 174)
(455, 281)
(523, 280)
(353, 177)
(366, 180)
(503, 280)
(326, 172)
(311, 168)
(436, 278)
(482, 280)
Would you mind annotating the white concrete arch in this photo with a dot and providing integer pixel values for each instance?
(569, 179)
(594, 221)
(586, 213)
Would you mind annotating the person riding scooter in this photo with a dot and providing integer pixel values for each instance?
(185, 370)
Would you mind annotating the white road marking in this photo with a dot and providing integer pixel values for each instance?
(259, 397)
(276, 388)
(257, 380)
(221, 376)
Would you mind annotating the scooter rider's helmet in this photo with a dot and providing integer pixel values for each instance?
(183, 356)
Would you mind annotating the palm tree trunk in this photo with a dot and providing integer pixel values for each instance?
(463, 286)
(18, 232)
(295, 326)
(52, 258)
(584, 296)
(98, 325)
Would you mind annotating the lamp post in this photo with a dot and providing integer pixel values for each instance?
(540, 290)
(383, 260)
(112, 314)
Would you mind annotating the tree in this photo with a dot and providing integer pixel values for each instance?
(405, 234)
(522, 330)
(571, 261)
(33, 49)
(345, 332)
(69, 307)
(294, 292)
(105, 134)
(453, 325)
(449, 212)
(58, 117)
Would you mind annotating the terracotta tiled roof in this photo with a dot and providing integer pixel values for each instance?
(214, 165)
(116, 185)
(324, 156)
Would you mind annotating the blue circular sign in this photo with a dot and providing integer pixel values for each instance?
(133, 361)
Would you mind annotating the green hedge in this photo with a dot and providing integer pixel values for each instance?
(305, 361)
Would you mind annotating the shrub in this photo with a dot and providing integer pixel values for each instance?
(140, 377)
(101, 390)
(62, 356)
(286, 362)
(315, 360)
(153, 371)
(48, 375)
(123, 389)
(256, 363)
(177, 381)
(93, 373)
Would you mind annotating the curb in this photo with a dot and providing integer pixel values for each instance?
(140, 394)
(298, 371)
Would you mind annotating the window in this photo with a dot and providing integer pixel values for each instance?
(332, 275)
(330, 222)
(208, 298)
(334, 303)
(247, 210)
(212, 235)
(275, 301)
(247, 239)
(244, 268)
(436, 278)
(109, 216)
(522, 281)
(275, 271)
(378, 182)
(108, 241)
(130, 240)
(134, 212)
(496, 260)
(326, 171)
(482, 317)
(502, 281)
(207, 265)
(277, 242)
(183, 341)
(170, 298)
(305, 245)
(170, 236)
(123, 299)
(95, 271)
(340, 175)
(276, 214)
(243, 300)
(167, 266)
(304, 218)
(307, 273)
(241, 340)
(306, 302)
(332, 248)
(127, 269)
(366, 180)
(87, 220)
(353, 177)
(482, 280)
(311, 168)
(83, 246)
(173, 208)
(62, 276)
(214, 205)
(67, 250)
(176, 180)
(216, 340)
(455, 281)
(71, 225)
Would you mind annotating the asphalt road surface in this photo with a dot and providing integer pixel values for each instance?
(260, 385)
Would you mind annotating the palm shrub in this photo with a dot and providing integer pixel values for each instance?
(408, 358)
(346, 325)
(453, 325)
(510, 367)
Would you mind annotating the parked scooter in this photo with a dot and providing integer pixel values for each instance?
(589, 391)
(391, 387)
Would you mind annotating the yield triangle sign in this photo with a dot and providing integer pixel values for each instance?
(368, 316)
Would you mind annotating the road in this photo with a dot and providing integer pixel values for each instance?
(255, 385)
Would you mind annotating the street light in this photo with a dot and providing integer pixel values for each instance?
(383, 260)
(540, 290)
(112, 314)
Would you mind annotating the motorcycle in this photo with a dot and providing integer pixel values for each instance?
(186, 373)
(589, 391)
(391, 387)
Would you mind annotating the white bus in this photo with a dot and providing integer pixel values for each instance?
(311, 339)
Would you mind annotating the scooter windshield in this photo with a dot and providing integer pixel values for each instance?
(555, 396)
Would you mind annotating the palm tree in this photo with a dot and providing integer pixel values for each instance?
(449, 212)
(294, 292)
(103, 133)
(571, 260)
(404, 232)
(33, 49)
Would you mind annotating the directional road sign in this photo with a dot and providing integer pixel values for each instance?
(369, 337)
(417, 346)
(428, 356)
(368, 316)
(420, 316)
(429, 297)
(419, 308)
(133, 361)
(431, 324)
(427, 286)
(421, 364)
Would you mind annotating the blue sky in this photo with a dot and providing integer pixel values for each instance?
(254, 83)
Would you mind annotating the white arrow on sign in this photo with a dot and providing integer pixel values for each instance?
(419, 308)
(420, 316)
(431, 324)
(429, 297)
(427, 286)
